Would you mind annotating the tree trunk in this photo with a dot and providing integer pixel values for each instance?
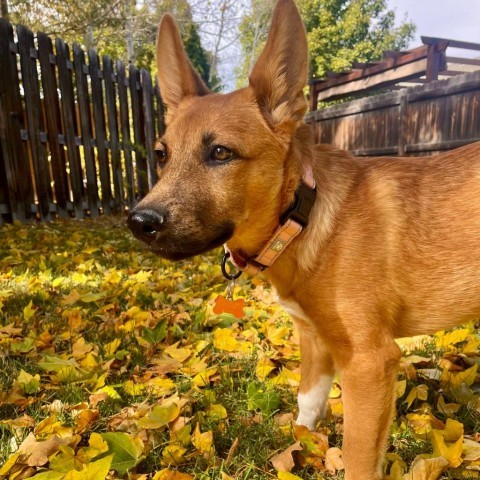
(129, 26)
(89, 38)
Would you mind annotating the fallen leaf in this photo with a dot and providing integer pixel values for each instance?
(284, 461)
(426, 469)
(37, 452)
(333, 460)
(126, 449)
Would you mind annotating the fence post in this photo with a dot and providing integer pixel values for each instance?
(147, 89)
(402, 123)
(14, 158)
(100, 135)
(125, 129)
(54, 124)
(111, 104)
(138, 130)
(38, 151)
(65, 67)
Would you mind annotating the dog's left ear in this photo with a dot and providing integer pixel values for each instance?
(176, 76)
(280, 73)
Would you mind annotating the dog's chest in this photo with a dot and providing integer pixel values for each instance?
(293, 308)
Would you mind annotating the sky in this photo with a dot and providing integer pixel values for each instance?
(452, 19)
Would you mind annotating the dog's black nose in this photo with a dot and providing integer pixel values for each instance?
(145, 224)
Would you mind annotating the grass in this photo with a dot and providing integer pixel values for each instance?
(98, 335)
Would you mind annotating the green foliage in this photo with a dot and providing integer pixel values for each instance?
(339, 32)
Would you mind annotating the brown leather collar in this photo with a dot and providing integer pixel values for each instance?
(292, 222)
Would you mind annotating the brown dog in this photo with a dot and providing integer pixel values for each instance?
(392, 245)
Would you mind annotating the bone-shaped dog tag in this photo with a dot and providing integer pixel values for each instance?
(226, 305)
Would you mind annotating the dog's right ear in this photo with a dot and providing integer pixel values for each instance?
(176, 76)
(280, 73)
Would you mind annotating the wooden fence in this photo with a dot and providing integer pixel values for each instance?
(76, 131)
(438, 116)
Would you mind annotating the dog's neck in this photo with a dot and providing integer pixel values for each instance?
(292, 222)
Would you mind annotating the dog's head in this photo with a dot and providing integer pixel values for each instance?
(227, 163)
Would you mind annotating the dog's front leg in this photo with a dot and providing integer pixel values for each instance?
(367, 378)
(317, 375)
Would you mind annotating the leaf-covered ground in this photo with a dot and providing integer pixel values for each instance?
(114, 365)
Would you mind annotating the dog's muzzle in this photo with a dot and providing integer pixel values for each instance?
(146, 224)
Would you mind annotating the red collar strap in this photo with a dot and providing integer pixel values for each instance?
(292, 222)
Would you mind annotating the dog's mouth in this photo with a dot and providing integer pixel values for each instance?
(174, 248)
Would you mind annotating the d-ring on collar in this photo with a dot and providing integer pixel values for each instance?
(292, 223)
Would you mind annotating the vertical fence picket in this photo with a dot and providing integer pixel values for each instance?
(53, 123)
(125, 130)
(33, 107)
(86, 129)
(138, 131)
(149, 125)
(111, 107)
(69, 121)
(99, 122)
(14, 159)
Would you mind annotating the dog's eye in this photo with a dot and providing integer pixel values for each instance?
(221, 153)
(160, 153)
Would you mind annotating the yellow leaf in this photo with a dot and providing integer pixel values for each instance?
(28, 311)
(452, 453)
(422, 423)
(80, 348)
(223, 339)
(202, 379)
(112, 347)
(133, 389)
(160, 416)
(173, 454)
(92, 471)
(335, 391)
(277, 335)
(418, 391)
(10, 463)
(110, 391)
(96, 441)
(159, 386)
(426, 468)
(287, 476)
(443, 340)
(396, 470)
(92, 297)
(456, 379)
(472, 346)
(50, 426)
(226, 477)
(167, 474)
(264, 368)
(447, 408)
(400, 388)
(286, 377)
(29, 383)
(453, 430)
(471, 450)
(217, 412)
(179, 354)
(181, 435)
(203, 442)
